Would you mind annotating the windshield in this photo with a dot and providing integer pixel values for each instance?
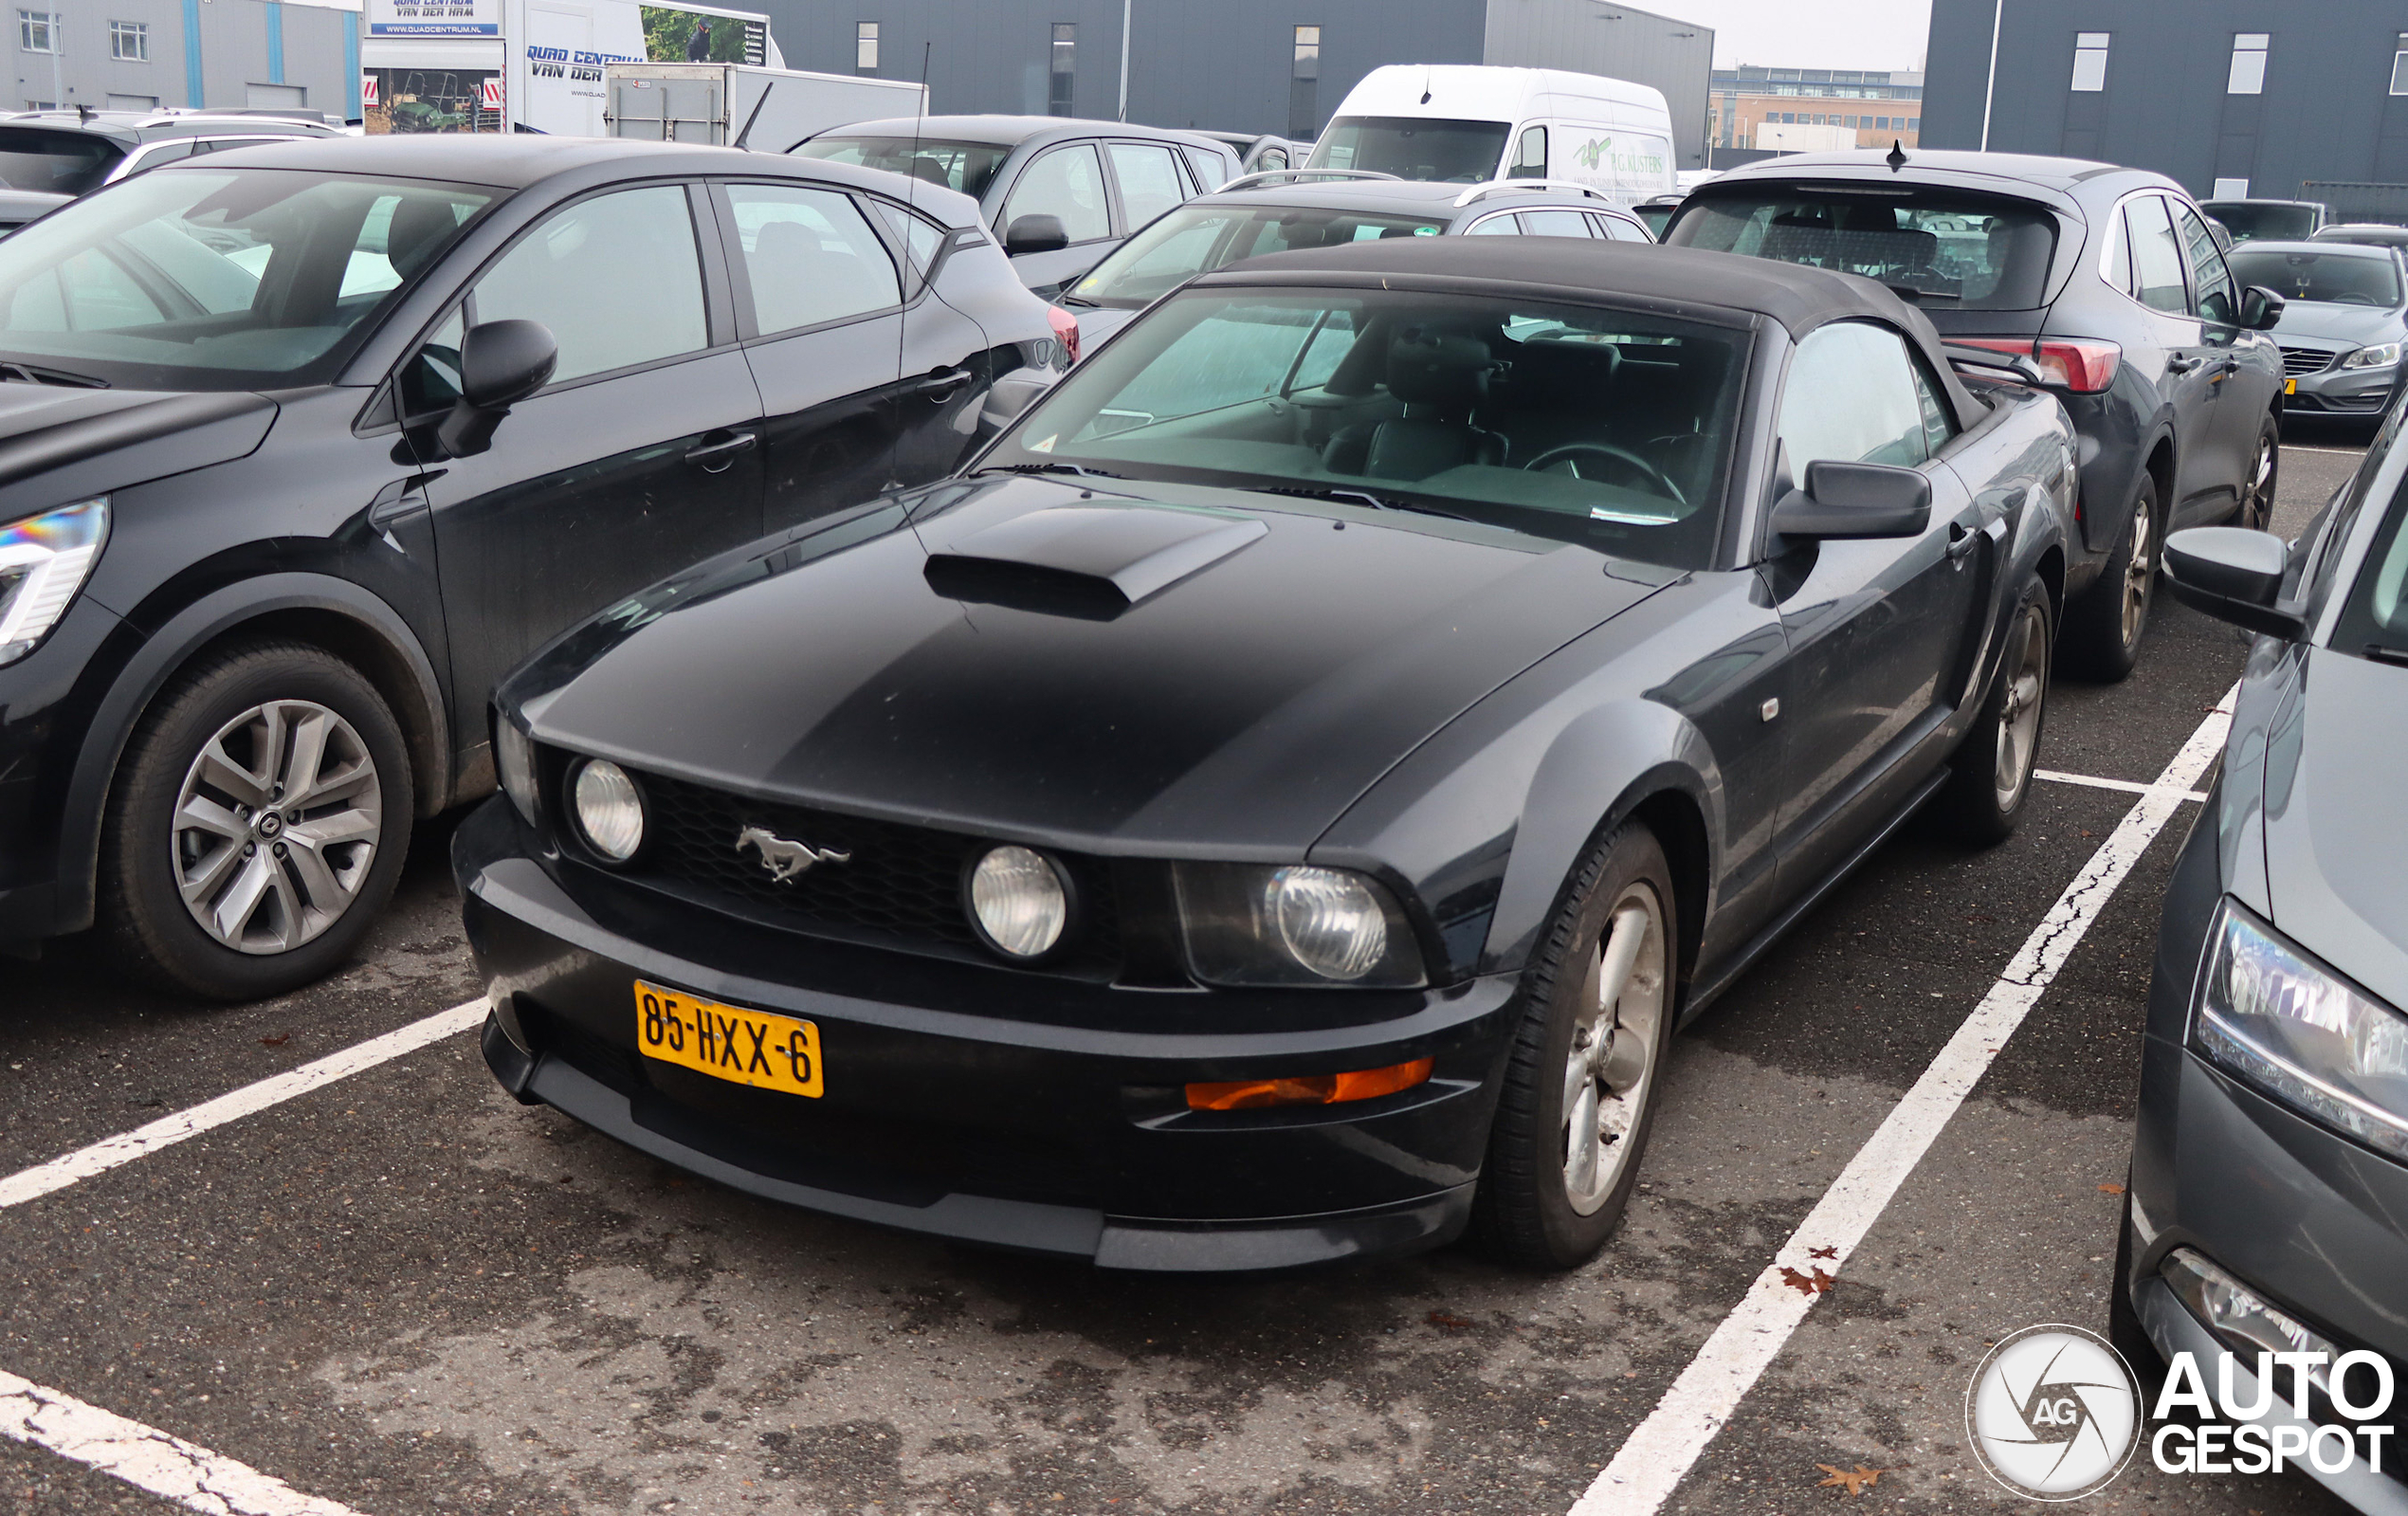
(1190, 241)
(1414, 147)
(55, 162)
(2271, 223)
(1968, 252)
(1600, 427)
(2376, 615)
(968, 167)
(190, 279)
(2333, 278)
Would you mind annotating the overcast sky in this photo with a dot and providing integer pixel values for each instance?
(1808, 33)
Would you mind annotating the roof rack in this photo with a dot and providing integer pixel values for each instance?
(1481, 192)
(1255, 181)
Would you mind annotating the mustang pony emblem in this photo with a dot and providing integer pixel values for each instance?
(784, 859)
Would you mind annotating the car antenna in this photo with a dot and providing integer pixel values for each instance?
(82, 112)
(743, 137)
(1425, 84)
(1897, 156)
(903, 318)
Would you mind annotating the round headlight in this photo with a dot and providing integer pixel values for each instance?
(1017, 899)
(1329, 921)
(610, 813)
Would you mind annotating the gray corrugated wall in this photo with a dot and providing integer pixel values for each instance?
(2326, 113)
(1676, 57)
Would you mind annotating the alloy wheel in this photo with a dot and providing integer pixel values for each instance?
(2026, 676)
(276, 827)
(2257, 501)
(1611, 1061)
(2140, 573)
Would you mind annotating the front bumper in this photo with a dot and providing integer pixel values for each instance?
(986, 1105)
(2343, 391)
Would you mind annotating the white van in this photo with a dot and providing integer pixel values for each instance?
(1469, 123)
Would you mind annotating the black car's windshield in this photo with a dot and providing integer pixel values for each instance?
(55, 162)
(2373, 621)
(2333, 278)
(1601, 427)
(1414, 147)
(1968, 252)
(1195, 239)
(968, 167)
(2265, 223)
(190, 279)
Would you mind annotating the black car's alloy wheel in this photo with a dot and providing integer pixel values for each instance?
(2104, 627)
(2265, 468)
(257, 825)
(1582, 1084)
(1992, 772)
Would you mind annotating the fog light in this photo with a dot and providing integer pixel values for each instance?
(1018, 902)
(610, 813)
(1308, 1089)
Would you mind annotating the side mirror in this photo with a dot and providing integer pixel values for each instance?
(2260, 308)
(501, 364)
(2234, 574)
(1035, 233)
(1011, 396)
(1855, 501)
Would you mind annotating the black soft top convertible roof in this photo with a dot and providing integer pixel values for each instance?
(1797, 297)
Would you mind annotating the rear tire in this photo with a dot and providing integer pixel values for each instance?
(2104, 624)
(256, 826)
(1992, 770)
(1584, 1075)
(2265, 469)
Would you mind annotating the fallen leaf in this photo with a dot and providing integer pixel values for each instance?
(1822, 1252)
(2110, 1189)
(277, 1041)
(1855, 1481)
(1449, 1324)
(1814, 1283)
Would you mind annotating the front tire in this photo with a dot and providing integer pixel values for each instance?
(1991, 771)
(257, 824)
(2104, 624)
(1583, 1078)
(2265, 469)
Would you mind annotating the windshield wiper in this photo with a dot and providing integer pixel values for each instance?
(2384, 654)
(1359, 497)
(27, 374)
(1066, 299)
(1050, 468)
(1909, 292)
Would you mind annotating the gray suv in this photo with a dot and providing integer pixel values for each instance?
(2107, 281)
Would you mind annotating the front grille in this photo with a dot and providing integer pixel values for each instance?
(901, 885)
(2299, 361)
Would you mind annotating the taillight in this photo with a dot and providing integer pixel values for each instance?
(2082, 365)
(1066, 332)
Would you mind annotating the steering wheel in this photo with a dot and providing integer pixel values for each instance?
(1571, 451)
(2351, 297)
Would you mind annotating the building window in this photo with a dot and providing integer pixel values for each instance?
(130, 41)
(2089, 62)
(38, 30)
(1914, 123)
(1303, 84)
(1064, 65)
(2400, 65)
(865, 46)
(2249, 63)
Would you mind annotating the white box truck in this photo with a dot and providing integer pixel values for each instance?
(737, 105)
(556, 52)
(1470, 123)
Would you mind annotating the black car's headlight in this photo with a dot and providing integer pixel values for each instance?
(1257, 925)
(2293, 1028)
(608, 809)
(44, 561)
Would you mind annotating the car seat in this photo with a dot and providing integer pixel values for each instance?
(1441, 378)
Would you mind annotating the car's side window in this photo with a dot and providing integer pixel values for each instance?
(1619, 230)
(431, 382)
(1149, 182)
(922, 238)
(1939, 421)
(1065, 182)
(810, 256)
(1209, 172)
(1556, 224)
(1852, 397)
(1504, 226)
(2157, 257)
(2216, 300)
(1530, 155)
(617, 278)
(2119, 254)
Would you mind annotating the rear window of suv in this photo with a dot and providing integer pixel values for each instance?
(1937, 246)
(55, 162)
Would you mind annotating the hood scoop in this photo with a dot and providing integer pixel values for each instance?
(1089, 561)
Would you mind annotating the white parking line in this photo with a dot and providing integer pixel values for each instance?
(2341, 452)
(33, 1183)
(2127, 786)
(147, 1459)
(1662, 1448)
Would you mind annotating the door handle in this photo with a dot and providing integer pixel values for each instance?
(2230, 367)
(937, 386)
(716, 457)
(2182, 365)
(400, 500)
(1961, 539)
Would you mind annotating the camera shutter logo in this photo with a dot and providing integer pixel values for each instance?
(2054, 1413)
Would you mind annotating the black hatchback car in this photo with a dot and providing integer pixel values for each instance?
(2268, 1208)
(1279, 803)
(2108, 280)
(302, 446)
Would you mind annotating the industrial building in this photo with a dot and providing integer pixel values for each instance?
(1814, 109)
(140, 55)
(1240, 65)
(2267, 98)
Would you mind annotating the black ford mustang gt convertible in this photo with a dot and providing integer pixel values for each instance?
(1277, 805)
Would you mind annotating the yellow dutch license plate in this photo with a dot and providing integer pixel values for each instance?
(2290, 387)
(728, 1042)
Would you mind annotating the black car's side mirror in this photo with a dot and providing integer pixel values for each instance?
(2260, 308)
(2234, 574)
(501, 364)
(1035, 233)
(1855, 501)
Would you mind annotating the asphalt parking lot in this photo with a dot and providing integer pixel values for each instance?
(399, 1291)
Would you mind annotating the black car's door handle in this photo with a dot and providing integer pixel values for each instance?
(935, 385)
(1961, 539)
(2230, 367)
(2182, 365)
(714, 457)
